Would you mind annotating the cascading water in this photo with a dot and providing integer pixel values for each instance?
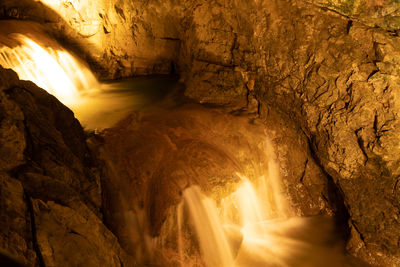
(55, 70)
(213, 242)
(35, 56)
(251, 228)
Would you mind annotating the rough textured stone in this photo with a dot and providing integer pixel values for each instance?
(152, 157)
(377, 13)
(336, 78)
(118, 38)
(74, 237)
(329, 66)
(49, 183)
(15, 223)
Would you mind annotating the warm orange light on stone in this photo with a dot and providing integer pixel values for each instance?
(55, 70)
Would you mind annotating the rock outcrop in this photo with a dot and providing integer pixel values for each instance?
(329, 66)
(50, 188)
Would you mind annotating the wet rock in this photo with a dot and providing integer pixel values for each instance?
(153, 156)
(328, 66)
(49, 183)
(118, 38)
(15, 224)
(336, 79)
(56, 147)
(74, 237)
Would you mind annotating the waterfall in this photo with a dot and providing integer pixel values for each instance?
(248, 228)
(53, 69)
(213, 242)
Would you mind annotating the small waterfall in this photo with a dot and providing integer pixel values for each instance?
(54, 69)
(180, 242)
(26, 48)
(213, 243)
(250, 228)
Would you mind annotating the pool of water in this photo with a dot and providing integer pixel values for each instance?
(116, 99)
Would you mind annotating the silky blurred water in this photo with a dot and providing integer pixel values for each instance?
(116, 99)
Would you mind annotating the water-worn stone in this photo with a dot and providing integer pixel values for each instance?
(336, 78)
(152, 157)
(330, 66)
(118, 38)
(49, 183)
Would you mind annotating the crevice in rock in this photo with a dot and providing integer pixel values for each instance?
(335, 196)
(373, 72)
(170, 38)
(396, 184)
(120, 261)
(33, 230)
(349, 25)
(360, 143)
(304, 171)
(327, 9)
(354, 17)
(359, 233)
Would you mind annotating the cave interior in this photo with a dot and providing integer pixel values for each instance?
(201, 133)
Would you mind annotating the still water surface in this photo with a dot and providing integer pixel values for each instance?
(116, 99)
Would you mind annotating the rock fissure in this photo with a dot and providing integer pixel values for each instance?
(335, 197)
(36, 245)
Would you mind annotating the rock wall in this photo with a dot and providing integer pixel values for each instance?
(328, 66)
(50, 188)
(332, 74)
(118, 38)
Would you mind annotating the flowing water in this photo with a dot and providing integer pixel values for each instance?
(53, 69)
(247, 229)
(96, 105)
(250, 227)
(116, 99)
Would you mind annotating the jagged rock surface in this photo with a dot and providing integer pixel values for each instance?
(330, 66)
(50, 192)
(335, 77)
(118, 38)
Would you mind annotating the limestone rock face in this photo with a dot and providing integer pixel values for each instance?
(335, 77)
(381, 13)
(119, 38)
(330, 66)
(50, 193)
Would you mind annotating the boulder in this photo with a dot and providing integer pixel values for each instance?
(50, 188)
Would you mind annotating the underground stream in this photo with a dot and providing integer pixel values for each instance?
(203, 188)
